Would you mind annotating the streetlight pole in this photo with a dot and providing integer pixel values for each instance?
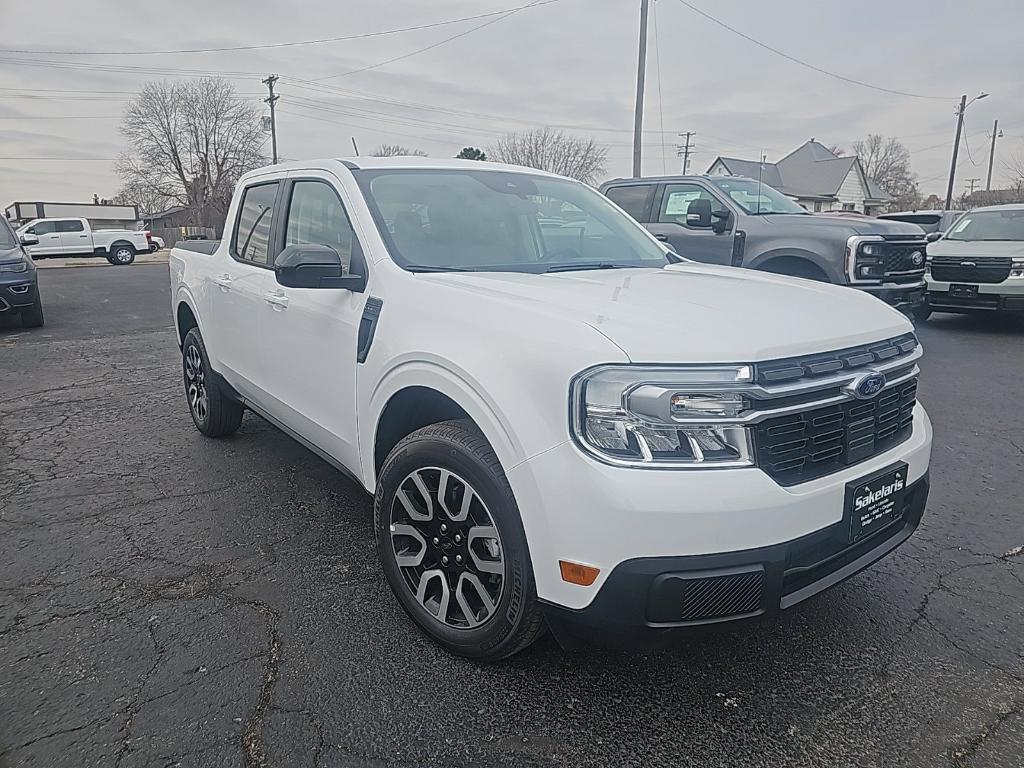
(964, 103)
(641, 71)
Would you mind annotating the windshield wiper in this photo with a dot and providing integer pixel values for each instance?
(586, 265)
(435, 268)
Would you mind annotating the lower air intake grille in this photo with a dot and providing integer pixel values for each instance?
(717, 596)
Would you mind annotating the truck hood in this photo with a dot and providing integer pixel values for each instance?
(847, 226)
(968, 248)
(689, 312)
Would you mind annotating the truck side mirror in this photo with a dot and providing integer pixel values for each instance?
(698, 213)
(931, 237)
(314, 266)
(27, 239)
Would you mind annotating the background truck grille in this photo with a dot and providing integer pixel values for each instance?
(950, 269)
(899, 257)
(804, 446)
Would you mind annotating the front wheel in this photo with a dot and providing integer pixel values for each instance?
(121, 255)
(33, 316)
(213, 412)
(452, 545)
(922, 312)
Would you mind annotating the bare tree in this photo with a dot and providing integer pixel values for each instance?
(397, 150)
(190, 142)
(887, 161)
(1015, 168)
(148, 199)
(552, 150)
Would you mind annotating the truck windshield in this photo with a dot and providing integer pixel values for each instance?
(756, 198)
(989, 225)
(7, 238)
(465, 220)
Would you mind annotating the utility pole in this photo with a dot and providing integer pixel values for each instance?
(685, 150)
(973, 183)
(956, 150)
(641, 71)
(272, 100)
(996, 133)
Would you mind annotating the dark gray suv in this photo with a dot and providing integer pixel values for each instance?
(19, 286)
(742, 222)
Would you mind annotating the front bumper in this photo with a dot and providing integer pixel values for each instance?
(1007, 295)
(902, 296)
(648, 600)
(577, 509)
(17, 291)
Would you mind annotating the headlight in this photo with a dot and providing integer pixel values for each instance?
(1017, 268)
(15, 266)
(865, 258)
(663, 417)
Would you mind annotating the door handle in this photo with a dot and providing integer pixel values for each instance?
(277, 300)
(83, 235)
(663, 238)
(224, 281)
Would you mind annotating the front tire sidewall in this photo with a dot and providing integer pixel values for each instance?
(500, 635)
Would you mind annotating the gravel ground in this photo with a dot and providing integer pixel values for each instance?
(167, 600)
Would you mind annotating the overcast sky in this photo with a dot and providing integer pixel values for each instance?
(567, 62)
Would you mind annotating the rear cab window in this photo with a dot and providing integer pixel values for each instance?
(929, 222)
(251, 240)
(634, 199)
(72, 225)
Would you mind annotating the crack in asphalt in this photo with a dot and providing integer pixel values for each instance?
(961, 755)
(252, 741)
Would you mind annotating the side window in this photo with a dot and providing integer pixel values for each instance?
(677, 200)
(252, 235)
(44, 228)
(70, 226)
(316, 216)
(633, 199)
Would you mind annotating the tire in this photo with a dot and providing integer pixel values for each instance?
(510, 619)
(121, 254)
(922, 312)
(33, 316)
(796, 268)
(153, 248)
(214, 413)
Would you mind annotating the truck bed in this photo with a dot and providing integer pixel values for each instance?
(206, 247)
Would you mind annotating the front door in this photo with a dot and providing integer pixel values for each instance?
(73, 237)
(669, 225)
(236, 289)
(311, 334)
(49, 239)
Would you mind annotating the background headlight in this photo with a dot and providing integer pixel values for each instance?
(664, 417)
(14, 266)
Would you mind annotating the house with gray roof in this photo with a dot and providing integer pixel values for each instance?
(815, 177)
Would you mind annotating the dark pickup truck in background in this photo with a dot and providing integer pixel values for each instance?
(744, 223)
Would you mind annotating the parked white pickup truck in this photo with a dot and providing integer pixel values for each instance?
(75, 237)
(562, 423)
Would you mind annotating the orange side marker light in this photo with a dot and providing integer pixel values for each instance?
(575, 573)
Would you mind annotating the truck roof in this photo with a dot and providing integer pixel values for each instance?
(676, 178)
(376, 163)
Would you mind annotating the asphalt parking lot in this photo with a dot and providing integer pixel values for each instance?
(167, 600)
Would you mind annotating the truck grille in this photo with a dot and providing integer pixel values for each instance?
(800, 447)
(957, 269)
(899, 258)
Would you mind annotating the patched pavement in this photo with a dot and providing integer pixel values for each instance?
(167, 600)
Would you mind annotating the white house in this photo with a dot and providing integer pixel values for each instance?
(815, 177)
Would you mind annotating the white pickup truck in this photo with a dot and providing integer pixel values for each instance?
(562, 423)
(75, 237)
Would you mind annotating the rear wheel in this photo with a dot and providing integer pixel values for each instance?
(121, 254)
(215, 414)
(452, 545)
(33, 316)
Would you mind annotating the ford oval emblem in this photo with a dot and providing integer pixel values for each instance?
(868, 386)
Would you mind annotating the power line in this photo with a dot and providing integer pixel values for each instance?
(292, 43)
(504, 15)
(806, 64)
